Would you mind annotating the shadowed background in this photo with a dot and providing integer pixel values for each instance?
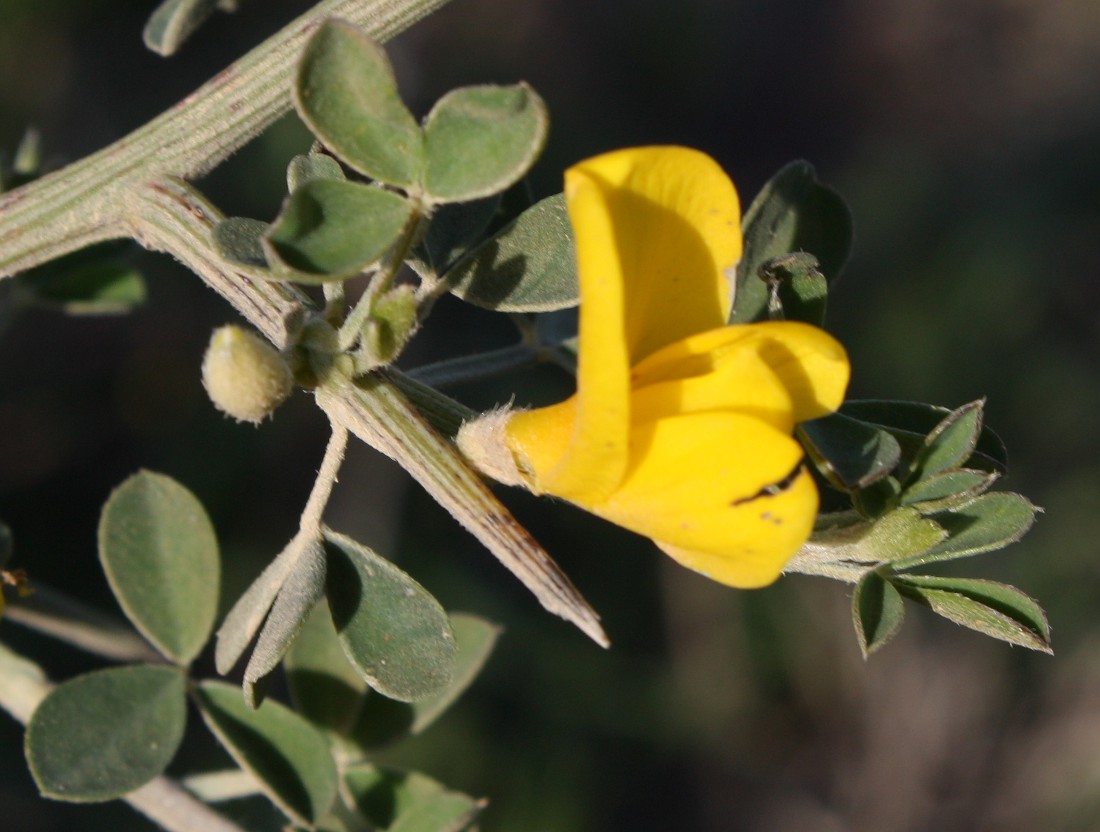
(963, 134)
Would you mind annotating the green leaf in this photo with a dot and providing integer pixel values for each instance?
(324, 686)
(307, 167)
(899, 534)
(383, 721)
(101, 735)
(289, 758)
(947, 489)
(792, 213)
(911, 422)
(397, 801)
(346, 94)
(173, 22)
(94, 281)
(297, 597)
(160, 555)
(989, 607)
(849, 453)
(989, 522)
(240, 239)
(480, 140)
(244, 620)
(453, 229)
(391, 628)
(530, 265)
(877, 612)
(476, 639)
(330, 229)
(794, 281)
(950, 443)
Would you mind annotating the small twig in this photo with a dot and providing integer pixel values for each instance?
(55, 614)
(310, 525)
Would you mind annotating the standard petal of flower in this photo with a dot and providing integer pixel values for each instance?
(675, 227)
(717, 484)
(654, 229)
(782, 372)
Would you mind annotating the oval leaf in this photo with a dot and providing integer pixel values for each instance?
(160, 556)
(990, 522)
(849, 453)
(299, 594)
(911, 422)
(330, 229)
(324, 686)
(947, 489)
(399, 801)
(288, 757)
(480, 140)
(101, 735)
(950, 443)
(244, 620)
(173, 22)
(240, 239)
(877, 612)
(347, 96)
(996, 609)
(307, 167)
(391, 628)
(530, 265)
(793, 212)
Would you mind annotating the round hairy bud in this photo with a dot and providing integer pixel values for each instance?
(244, 376)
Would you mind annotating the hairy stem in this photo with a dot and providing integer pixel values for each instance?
(89, 200)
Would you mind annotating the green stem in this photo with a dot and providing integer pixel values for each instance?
(90, 200)
(476, 367)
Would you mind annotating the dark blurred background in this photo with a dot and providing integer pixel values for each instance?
(965, 136)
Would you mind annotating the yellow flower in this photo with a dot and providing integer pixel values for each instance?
(680, 428)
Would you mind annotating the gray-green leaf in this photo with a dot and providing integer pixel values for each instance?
(101, 735)
(877, 612)
(160, 555)
(793, 212)
(530, 265)
(289, 758)
(947, 489)
(989, 522)
(849, 453)
(950, 443)
(399, 801)
(330, 229)
(298, 595)
(346, 94)
(996, 609)
(240, 239)
(391, 628)
(173, 22)
(244, 620)
(480, 140)
(309, 166)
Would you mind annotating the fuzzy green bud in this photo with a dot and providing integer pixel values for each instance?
(245, 376)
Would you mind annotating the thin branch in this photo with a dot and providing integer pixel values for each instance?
(87, 201)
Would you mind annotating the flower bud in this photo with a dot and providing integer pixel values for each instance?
(244, 376)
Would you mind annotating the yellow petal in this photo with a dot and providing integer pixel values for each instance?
(667, 223)
(654, 229)
(782, 372)
(717, 486)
